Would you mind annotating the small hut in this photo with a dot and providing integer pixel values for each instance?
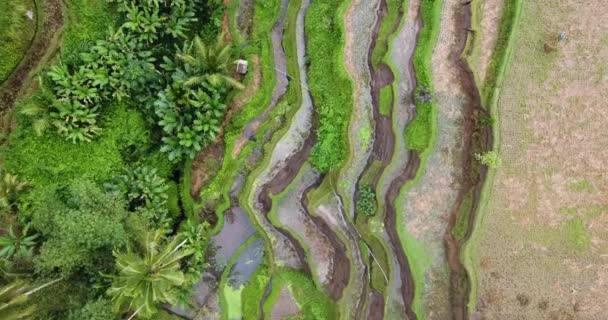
(241, 66)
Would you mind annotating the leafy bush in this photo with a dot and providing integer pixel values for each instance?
(143, 187)
(94, 310)
(81, 224)
(489, 158)
(329, 84)
(366, 204)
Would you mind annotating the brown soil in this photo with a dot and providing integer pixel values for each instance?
(46, 34)
(285, 306)
(376, 306)
(205, 166)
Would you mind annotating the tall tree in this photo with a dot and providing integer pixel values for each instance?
(211, 63)
(144, 281)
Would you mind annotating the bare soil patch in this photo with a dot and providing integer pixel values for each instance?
(552, 245)
(285, 306)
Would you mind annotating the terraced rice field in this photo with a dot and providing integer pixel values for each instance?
(378, 159)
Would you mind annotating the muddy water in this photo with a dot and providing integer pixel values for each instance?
(284, 250)
(292, 148)
(402, 167)
(236, 230)
(326, 255)
(245, 265)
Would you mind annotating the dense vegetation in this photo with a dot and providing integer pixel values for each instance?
(330, 86)
(91, 221)
(16, 33)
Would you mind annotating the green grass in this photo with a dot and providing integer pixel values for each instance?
(497, 61)
(460, 228)
(386, 100)
(45, 160)
(313, 303)
(88, 21)
(576, 235)
(253, 293)
(330, 85)
(388, 24)
(419, 133)
(16, 33)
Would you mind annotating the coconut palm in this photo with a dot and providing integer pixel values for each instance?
(14, 299)
(209, 63)
(145, 281)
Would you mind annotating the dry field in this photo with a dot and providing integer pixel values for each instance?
(542, 252)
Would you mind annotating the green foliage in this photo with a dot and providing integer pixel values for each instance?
(146, 280)
(576, 235)
(17, 244)
(45, 161)
(81, 224)
(209, 63)
(386, 100)
(10, 188)
(190, 117)
(314, 304)
(366, 204)
(462, 221)
(329, 84)
(489, 158)
(253, 293)
(388, 25)
(16, 33)
(94, 310)
(419, 133)
(145, 191)
(14, 301)
(497, 61)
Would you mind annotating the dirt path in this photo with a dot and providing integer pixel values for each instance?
(43, 45)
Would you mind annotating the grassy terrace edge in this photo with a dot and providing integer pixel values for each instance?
(418, 259)
(500, 59)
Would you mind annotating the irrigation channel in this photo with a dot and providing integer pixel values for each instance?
(286, 214)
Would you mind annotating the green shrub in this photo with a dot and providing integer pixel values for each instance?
(329, 84)
(366, 204)
(489, 158)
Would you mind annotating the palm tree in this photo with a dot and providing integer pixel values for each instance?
(14, 298)
(145, 281)
(20, 245)
(209, 63)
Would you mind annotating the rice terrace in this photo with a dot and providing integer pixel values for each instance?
(304, 159)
